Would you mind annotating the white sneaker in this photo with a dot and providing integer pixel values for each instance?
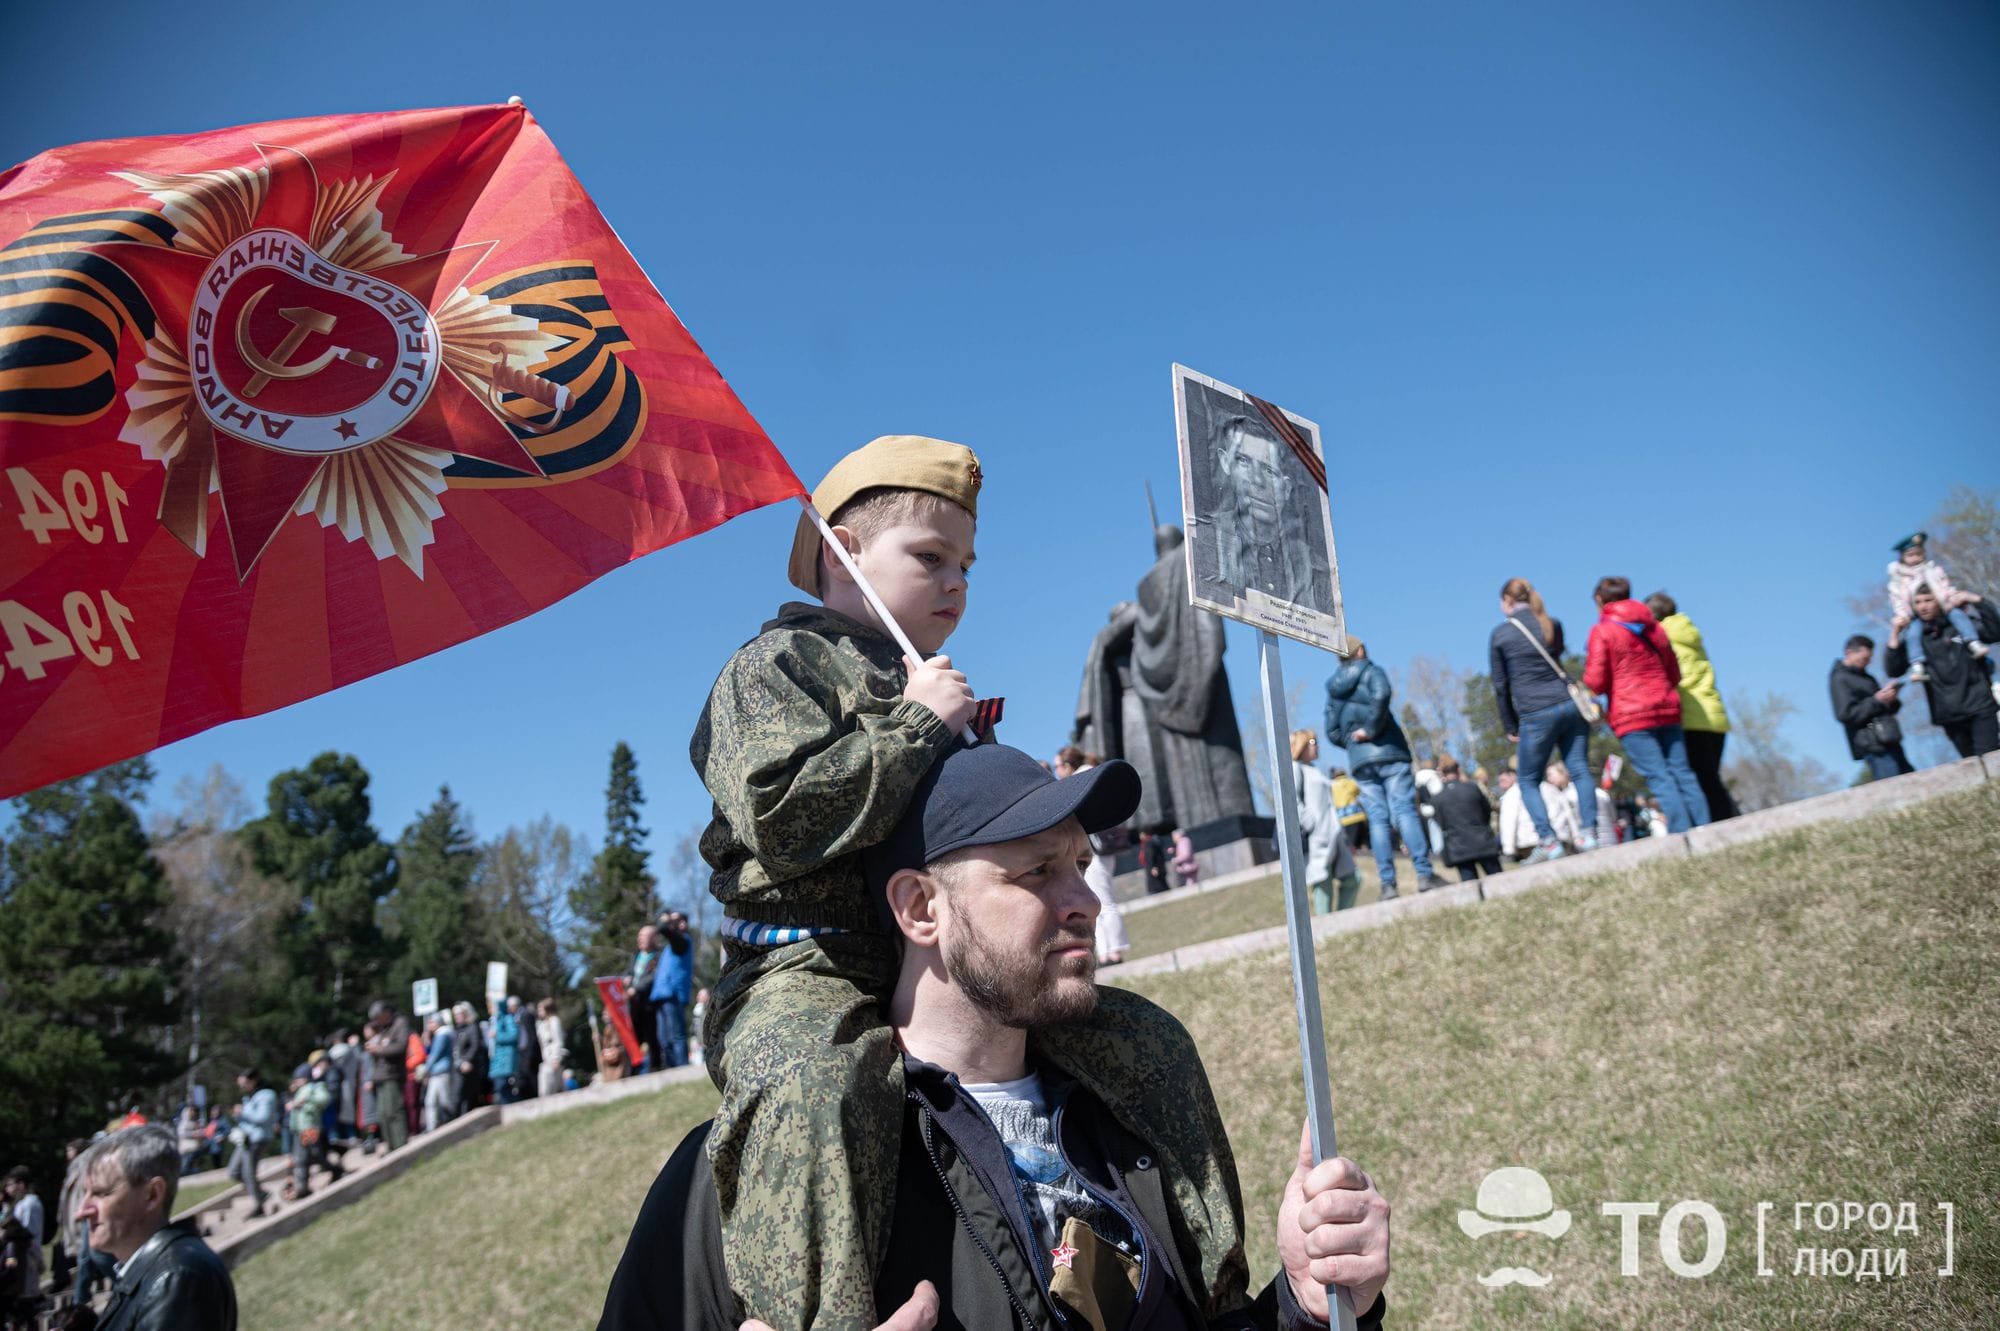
(1978, 647)
(1917, 672)
(1548, 850)
(1586, 843)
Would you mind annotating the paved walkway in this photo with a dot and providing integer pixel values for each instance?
(225, 1219)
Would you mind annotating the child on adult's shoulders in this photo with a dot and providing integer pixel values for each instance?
(1913, 567)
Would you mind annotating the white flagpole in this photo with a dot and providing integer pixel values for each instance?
(1298, 929)
(867, 589)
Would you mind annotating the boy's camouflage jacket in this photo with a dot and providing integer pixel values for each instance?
(811, 755)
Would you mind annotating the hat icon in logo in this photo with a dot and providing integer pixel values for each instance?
(1514, 1198)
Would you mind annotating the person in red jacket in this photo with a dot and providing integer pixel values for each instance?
(1633, 665)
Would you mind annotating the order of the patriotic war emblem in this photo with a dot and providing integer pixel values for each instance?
(297, 359)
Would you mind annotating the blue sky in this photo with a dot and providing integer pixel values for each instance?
(1697, 293)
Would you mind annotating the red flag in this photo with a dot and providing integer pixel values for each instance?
(611, 988)
(287, 405)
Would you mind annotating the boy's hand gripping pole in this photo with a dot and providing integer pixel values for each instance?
(839, 548)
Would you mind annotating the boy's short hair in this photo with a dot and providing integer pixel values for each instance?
(1859, 640)
(1922, 589)
(1613, 589)
(875, 511)
(1448, 766)
(1662, 605)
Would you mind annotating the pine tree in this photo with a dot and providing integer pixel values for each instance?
(87, 970)
(618, 895)
(316, 840)
(436, 916)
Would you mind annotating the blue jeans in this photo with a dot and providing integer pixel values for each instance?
(1913, 636)
(1558, 731)
(1660, 754)
(671, 1019)
(1388, 790)
(1882, 766)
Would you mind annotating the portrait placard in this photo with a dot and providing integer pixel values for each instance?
(1259, 523)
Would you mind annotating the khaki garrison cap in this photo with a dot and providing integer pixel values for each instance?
(897, 461)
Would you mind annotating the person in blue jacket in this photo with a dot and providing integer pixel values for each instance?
(500, 1066)
(1360, 720)
(673, 988)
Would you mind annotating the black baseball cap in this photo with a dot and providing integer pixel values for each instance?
(990, 793)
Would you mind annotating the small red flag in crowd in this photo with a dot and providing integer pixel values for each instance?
(617, 1006)
(287, 405)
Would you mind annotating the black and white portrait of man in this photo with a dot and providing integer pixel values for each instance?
(1260, 535)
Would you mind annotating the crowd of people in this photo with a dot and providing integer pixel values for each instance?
(365, 1090)
(1646, 660)
(844, 803)
(1648, 664)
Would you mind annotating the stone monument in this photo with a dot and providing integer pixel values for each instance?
(1156, 694)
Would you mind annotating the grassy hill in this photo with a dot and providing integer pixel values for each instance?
(1810, 1018)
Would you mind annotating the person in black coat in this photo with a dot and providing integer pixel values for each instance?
(1958, 679)
(1867, 711)
(168, 1279)
(1466, 818)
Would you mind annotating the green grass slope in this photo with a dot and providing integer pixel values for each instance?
(1811, 1018)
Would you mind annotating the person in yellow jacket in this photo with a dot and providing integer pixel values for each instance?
(1348, 809)
(1704, 720)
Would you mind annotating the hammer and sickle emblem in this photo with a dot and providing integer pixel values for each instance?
(305, 321)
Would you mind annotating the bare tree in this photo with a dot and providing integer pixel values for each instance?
(223, 911)
(685, 887)
(524, 884)
(1763, 770)
(1257, 743)
(1432, 709)
(1966, 538)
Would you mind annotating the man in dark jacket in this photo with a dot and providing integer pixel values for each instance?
(1867, 711)
(1466, 818)
(1359, 719)
(168, 1280)
(1958, 679)
(1019, 1194)
(388, 1049)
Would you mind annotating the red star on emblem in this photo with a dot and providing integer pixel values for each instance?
(1065, 1256)
(262, 485)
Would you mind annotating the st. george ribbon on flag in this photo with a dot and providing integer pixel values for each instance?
(287, 405)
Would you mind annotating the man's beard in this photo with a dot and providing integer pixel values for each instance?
(1017, 991)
